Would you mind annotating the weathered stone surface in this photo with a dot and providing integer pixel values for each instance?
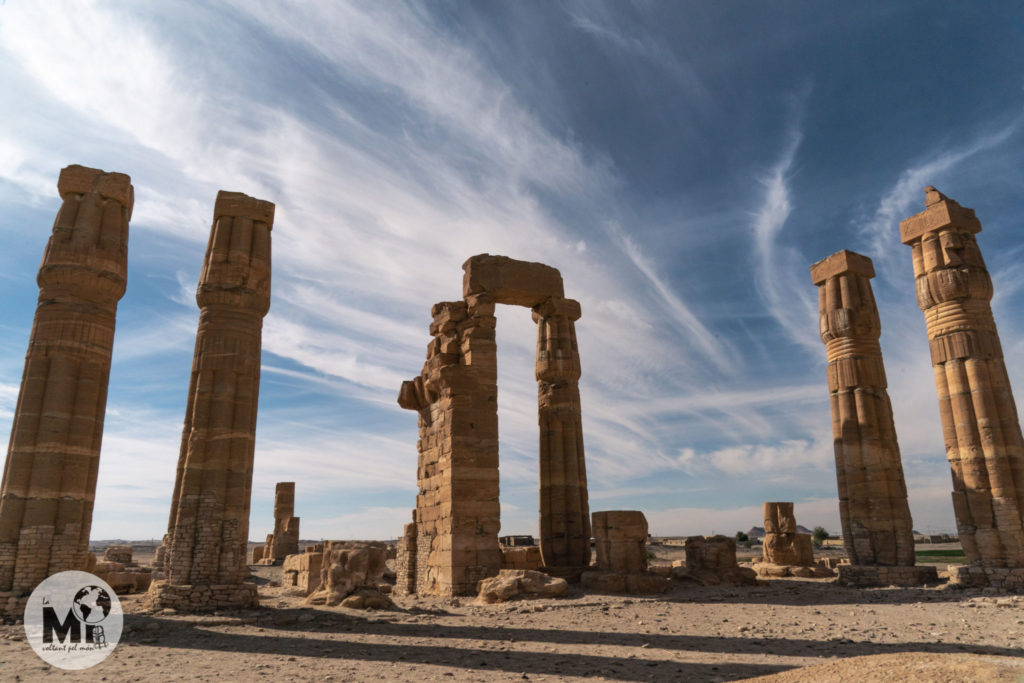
(49, 480)
(520, 583)
(457, 513)
(118, 553)
(784, 550)
(284, 541)
(367, 598)
(980, 424)
(710, 561)
(347, 566)
(620, 538)
(527, 557)
(873, 508)
(257, 554)
(302, 571)
(871, 576)
(209, 520)
(123, 578)
(782, 545)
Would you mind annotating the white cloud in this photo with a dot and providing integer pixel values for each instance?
(906, 197)
(780, 271)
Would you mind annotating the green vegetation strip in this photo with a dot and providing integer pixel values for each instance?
(940, 553)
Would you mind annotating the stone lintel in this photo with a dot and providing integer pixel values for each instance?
(940, 212)
(75, 179)
(236, 204)
(569, 308)
(508, 281)
(842, 262)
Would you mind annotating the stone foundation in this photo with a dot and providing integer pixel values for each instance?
(527, 557)
(202, 598)
(710, 561)
(1000, 578)
(863, 576)
(302, 571)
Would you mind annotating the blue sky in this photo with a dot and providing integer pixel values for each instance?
(682, 164)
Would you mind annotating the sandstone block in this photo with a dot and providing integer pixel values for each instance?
(521, 583)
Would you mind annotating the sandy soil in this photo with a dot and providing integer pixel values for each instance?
(693, 634)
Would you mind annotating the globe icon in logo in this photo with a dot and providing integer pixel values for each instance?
(91, 605)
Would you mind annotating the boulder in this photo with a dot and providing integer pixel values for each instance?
(520, 583)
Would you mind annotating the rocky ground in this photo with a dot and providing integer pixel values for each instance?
(694, 634)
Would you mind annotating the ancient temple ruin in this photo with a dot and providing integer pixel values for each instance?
(873, 509)
(979, 418)
(205, 563)
(453, 540)
(49, 482)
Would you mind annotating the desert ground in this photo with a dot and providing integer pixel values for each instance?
(783, 629)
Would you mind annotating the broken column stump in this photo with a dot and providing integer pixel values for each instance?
(785, 551)
(284, 541)
(620, 539)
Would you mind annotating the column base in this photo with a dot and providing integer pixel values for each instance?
(976, 576)
(870, 576)
(770, 570)
(202, 598)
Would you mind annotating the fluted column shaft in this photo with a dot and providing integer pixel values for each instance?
(210, 508)
(979, 418)
(49, 482)
(564, 508)
(873, 507)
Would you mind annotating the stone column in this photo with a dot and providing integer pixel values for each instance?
(979, 418)
(206, 561)
(564, 509)
(49, 481)
(286, 526)
(873, 508)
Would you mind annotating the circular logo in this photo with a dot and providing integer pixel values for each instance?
(73, 620)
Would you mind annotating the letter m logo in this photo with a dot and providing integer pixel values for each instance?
(52, 625)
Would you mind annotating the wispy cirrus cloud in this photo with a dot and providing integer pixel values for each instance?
(778, 268)
(906, 196)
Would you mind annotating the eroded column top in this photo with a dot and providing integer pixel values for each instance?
(239, 205)
(840, 263)
(75, 179)
(940, 213)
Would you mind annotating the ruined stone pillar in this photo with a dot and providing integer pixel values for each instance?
(285, 539)
(873, 508)
(455, 534)
(564, 509)
(205, 564)
(979, 418)
(49, 482)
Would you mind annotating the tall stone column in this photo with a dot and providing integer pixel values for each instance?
(877, 527)
(564, 509)
(206, 560)
(979, 418)
(49, 480)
